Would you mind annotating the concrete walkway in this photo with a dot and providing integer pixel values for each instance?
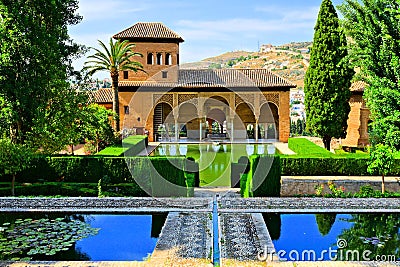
(284, 148)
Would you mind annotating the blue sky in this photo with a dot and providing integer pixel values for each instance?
(209, 27)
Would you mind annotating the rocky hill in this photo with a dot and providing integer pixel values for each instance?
(289, 61)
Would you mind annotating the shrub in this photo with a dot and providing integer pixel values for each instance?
(237, 169)
(324, 166)
(134, 171)
(264, 177)
(244, 187)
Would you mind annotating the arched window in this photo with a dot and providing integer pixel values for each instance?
(150, 59)
(159, 59)
(168, 59)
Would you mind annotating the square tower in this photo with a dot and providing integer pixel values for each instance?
(159, 46)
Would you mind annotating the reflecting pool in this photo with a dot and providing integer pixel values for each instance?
(335, 236)
(111, 238)
(214, 159)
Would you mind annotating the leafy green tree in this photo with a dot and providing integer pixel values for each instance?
(13, 159)
(381, 161)
(61, 124)
(97, 125)
(327, 81)
(115, 58)
(36, 55)
(374, 28)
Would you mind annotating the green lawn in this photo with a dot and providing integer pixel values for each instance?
(307, 149)
(127, 144)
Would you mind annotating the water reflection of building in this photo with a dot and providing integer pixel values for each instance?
(197, 103)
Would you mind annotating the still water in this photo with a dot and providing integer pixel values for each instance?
(128, 237)
(299, 236)
(214, 159)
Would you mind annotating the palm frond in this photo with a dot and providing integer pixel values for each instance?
(117, 57)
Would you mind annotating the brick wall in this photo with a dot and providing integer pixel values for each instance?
(357, 123)
(151, 69)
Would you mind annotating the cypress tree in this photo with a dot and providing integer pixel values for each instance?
(328, 78)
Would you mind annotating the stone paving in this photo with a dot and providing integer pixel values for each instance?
(184, 236)
(105, 205)
(244, 237)
(305, 205)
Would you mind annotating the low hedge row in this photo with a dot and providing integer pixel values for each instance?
(74, 190)
(156, 176)
(263, 178)
(329, 166)
(131, 146)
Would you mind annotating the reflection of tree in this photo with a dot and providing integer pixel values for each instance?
(273, 223)
(157, 223)
(325, 222)
(378, 233)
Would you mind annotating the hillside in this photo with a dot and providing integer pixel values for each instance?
(289, 61)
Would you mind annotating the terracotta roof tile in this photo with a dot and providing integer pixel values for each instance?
(151, 30)
(358, 86)
(103, 95)
(234, 78)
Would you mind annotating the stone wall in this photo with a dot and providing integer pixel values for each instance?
(295, 187)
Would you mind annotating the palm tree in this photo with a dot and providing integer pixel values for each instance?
(116, 58)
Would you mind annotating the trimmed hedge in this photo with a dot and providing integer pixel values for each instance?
(329, 166)
(264, 177)
(74, 190)
(237, 169)
(131, 146)
(134, 171)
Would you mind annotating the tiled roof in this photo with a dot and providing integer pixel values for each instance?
(148, 30)
(228, 78)
(358, 86)
(103, 95)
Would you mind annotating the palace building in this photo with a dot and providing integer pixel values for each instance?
(170, 102)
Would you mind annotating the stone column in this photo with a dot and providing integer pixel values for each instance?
(284, 116)
(256, 130)
(177, 130)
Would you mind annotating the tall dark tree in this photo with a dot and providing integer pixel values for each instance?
(374, 28)
(36, 54)
(328, 78)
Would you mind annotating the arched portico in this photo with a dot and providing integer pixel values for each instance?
(216, 109)
(162, 120)
(245, 121)
(269, 121)
(188, 121)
